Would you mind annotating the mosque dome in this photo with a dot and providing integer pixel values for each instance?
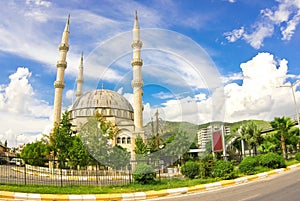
(106, 102)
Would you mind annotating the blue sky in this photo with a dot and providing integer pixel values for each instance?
(203, 60)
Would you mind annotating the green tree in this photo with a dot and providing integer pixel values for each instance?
(140, 146)
(36, 153)
(61, 140)
(282, 125)
(267, 147)
(98, 136)
(252, 135)
(78, 155)
(119, 157)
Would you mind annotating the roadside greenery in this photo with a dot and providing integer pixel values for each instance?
(267, 151)
(297, 156)
(144, 174)
(224, 170)
(190, 169)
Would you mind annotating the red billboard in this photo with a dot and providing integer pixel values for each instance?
(217, 141)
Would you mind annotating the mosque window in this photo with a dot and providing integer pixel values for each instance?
(128, 140)
(123, 140)
(118, 140)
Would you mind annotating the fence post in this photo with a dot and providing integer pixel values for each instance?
(25, 174)
(129, 171)
(97, 175)
(61, 182)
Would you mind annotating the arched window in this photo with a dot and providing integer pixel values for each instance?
(118, 140)
(123, 140)
(128, 140)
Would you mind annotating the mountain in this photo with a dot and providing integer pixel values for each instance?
(168, 128)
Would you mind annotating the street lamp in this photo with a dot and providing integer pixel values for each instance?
(295, 102)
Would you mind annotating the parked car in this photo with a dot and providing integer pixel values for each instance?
(17, 161)
(3, 161)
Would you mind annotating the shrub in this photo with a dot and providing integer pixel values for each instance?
(207, 165)
(143, 173)
(248, 164)
(297, 156)
(272, 160)
(224, 170)
(190, 169)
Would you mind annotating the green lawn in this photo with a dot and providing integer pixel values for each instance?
(133, 187)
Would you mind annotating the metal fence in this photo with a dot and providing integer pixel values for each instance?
(96, 175)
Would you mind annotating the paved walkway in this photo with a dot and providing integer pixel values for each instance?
(4, 195)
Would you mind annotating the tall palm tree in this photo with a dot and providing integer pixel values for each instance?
(282, 125)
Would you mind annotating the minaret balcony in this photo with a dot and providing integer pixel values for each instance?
(79, 80)
(61, 64)
(59, 84)
(63, 46)
(137, 44)
(136, 62)
(137, 83)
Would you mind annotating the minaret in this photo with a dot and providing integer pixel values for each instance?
(80, 80)
(137, 82)
(61, 65)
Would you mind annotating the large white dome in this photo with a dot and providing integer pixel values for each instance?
(106, 102)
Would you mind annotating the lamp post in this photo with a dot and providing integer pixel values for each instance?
(295, 102)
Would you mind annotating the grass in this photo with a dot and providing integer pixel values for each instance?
(133, 187)
(291, 162)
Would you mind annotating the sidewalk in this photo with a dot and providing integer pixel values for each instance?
(4, 195)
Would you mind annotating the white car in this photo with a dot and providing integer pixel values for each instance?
(17, 161)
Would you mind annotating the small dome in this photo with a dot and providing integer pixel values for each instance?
(102, 99)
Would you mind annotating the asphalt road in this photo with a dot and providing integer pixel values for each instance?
(281, 187)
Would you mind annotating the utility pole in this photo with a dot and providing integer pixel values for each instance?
(295, 102)
(157, 135)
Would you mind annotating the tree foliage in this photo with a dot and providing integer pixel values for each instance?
(144, 173)
(98, 136)
(190, 169)
(36, 153)
(282, 125)
(61, 140)
(252, 135)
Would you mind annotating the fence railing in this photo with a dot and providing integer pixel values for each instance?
(21, 173)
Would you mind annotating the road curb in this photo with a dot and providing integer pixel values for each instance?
(5, 195)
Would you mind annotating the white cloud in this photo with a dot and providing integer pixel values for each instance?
(256, 38)
(70, 94)
(163, 95)
(235, 34)
(286, 16)
(22, 112)
(39, 2)
(232, 77)
(258, 97)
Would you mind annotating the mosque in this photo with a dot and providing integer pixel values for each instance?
(112, 105)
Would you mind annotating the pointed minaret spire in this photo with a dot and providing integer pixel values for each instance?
(80, 80)
(137, 82)
(136, 28)
(67, 23)
(61, 65)
(65, 36)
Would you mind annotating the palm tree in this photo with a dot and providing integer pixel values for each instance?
(252, 135)
(282, 125)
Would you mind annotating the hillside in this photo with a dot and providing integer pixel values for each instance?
(167, 128)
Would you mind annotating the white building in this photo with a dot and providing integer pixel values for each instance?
(205, 134)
